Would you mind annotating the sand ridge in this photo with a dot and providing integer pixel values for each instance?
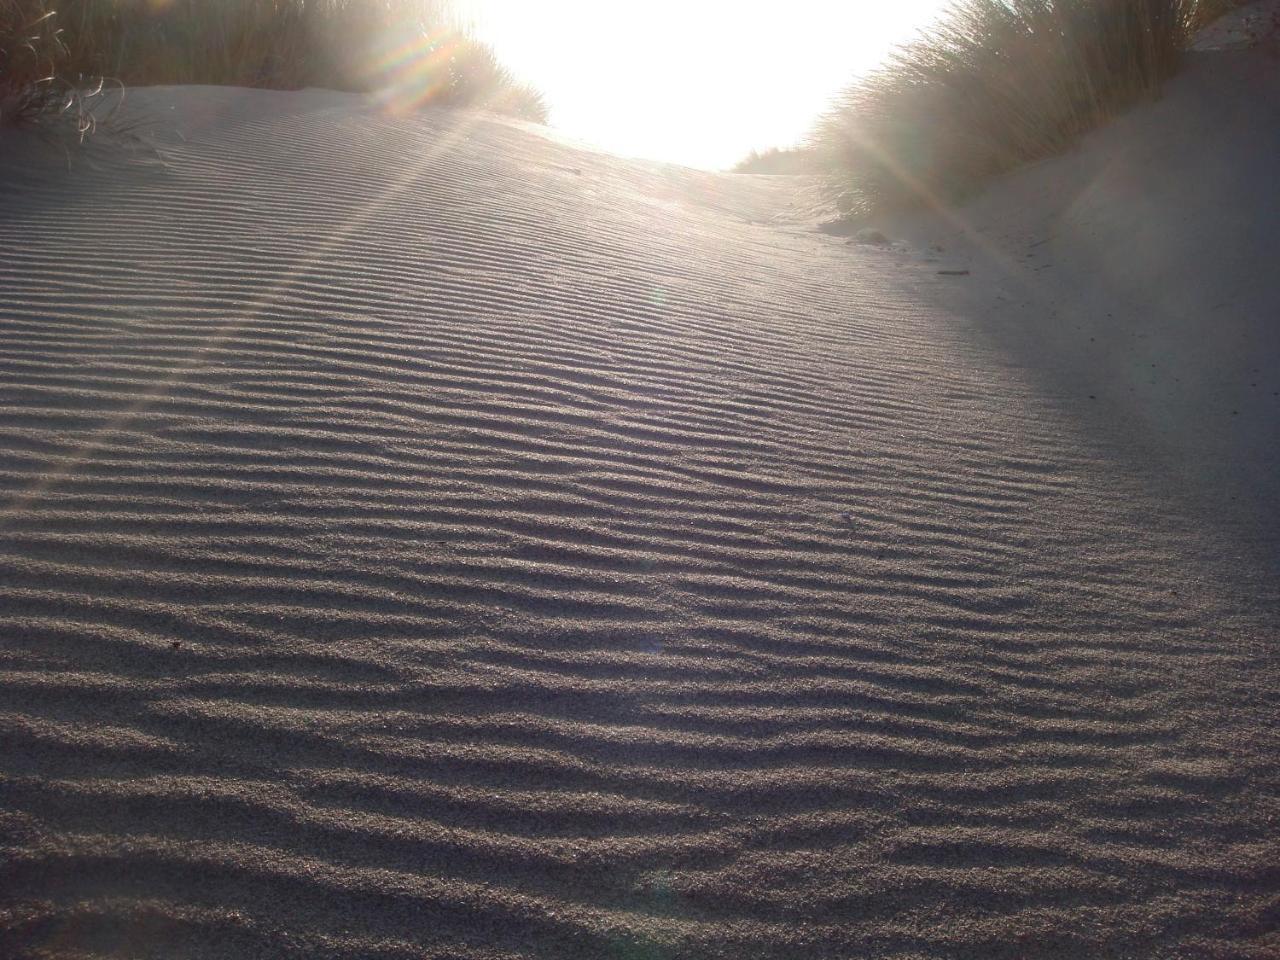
(423, 538)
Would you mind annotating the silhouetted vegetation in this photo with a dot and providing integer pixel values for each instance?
(996, 83)
(411, 52)
(776, 161)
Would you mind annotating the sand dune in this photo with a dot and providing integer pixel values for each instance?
(422, 538)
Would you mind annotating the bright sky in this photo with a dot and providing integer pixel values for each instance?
(699, 82)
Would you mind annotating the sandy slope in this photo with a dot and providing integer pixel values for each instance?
(421, 538)
(1141, 268)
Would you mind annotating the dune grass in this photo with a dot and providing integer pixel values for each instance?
(777, 161)
(30, 51)
(410, 52)
(995, 84)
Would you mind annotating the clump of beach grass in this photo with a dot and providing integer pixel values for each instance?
(777, 161)
(34, 87)
(30, 52)
(410, 52)
(993, 85)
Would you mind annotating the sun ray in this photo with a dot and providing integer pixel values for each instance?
(322, 252)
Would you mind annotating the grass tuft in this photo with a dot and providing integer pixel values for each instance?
(995, 84)
(410, 52)
(777, 161)
(30, 52)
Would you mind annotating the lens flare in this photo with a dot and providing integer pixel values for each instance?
(409, 74)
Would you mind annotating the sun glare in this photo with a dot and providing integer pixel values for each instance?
(700, 82)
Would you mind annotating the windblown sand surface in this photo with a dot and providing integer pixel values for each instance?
(420, 538)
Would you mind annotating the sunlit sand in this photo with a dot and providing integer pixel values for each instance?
(422, 537)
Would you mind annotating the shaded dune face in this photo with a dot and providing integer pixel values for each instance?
(420, 538)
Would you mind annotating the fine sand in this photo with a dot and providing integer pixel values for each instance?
(423, 538)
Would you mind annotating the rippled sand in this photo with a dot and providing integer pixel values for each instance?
(420, 538)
